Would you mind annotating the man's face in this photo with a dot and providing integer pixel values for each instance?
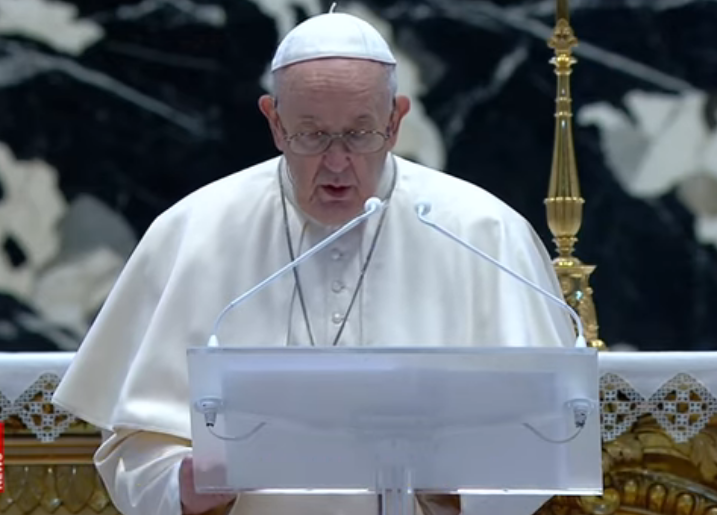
(334, 96)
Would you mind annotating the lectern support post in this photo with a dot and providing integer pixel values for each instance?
(397, 499)
(394, 482)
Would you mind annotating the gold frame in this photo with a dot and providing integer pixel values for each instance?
(646, 472)
(57, 478)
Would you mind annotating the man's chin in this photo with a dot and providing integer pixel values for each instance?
(336, 213)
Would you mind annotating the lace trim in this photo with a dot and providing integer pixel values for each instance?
(682, 406)
(35, 411)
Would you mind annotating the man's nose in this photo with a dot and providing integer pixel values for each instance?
(336, 157)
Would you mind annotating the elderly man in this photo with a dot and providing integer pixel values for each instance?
(334, 117)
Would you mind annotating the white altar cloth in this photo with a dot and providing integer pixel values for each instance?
(679, 389)
(647, 372)
(27, 382)
(19, 370)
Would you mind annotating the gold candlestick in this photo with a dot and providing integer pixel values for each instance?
(564, 204)
(562, 11)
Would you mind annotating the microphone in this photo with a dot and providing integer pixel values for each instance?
(424, 207)
(371, 206)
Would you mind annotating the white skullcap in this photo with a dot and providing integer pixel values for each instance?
(332, 35)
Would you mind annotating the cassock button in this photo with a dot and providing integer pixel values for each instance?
(336, 254)
(337, 286)
(337, 318)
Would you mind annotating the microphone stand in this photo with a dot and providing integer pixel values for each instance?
(423, 208)
(371, 207)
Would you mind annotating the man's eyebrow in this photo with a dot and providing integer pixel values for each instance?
(310, 119)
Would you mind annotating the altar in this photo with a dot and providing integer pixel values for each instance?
(659, 434)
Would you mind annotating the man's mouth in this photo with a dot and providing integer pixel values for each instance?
(336, 191)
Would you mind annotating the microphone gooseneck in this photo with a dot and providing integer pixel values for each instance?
(424, 207)
(372, 206)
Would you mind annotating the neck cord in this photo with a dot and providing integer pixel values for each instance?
(297, 281)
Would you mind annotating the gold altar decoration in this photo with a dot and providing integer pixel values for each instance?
(51, 477)
(56, 478)
(644, 470)
(564, 205)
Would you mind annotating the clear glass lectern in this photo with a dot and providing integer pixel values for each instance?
(396, 421)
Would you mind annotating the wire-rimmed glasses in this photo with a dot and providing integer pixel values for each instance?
(359, 142)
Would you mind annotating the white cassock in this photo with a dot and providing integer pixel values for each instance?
(129, 377)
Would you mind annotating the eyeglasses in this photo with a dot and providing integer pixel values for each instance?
(359, 142)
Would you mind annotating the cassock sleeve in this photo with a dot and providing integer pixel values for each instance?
(141, 471)
(129, 378)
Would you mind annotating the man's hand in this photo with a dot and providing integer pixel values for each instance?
(192, 502)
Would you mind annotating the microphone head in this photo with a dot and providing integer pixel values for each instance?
(423, 207)
(373, 204)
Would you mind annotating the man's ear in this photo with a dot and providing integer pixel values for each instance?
(400, 110)
(267, 105)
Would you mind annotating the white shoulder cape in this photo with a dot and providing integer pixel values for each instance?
(420, 289)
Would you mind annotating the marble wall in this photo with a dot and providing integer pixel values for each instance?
(111, 110)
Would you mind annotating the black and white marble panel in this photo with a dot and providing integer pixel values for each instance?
(112, 110)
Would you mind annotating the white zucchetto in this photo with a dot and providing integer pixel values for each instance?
(332, 35)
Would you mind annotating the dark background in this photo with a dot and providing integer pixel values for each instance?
(164, 101)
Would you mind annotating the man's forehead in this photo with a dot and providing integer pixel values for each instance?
(349, 119)
(360, 117)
